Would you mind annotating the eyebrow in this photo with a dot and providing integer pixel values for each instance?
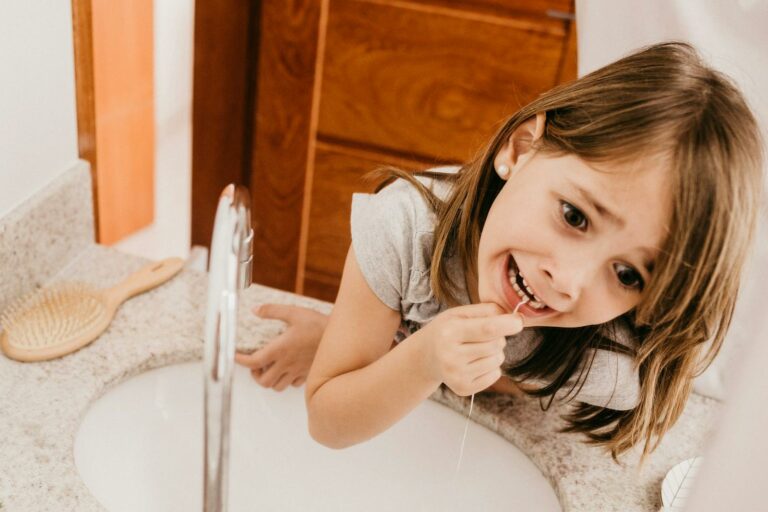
(602, 210)
(648, 262)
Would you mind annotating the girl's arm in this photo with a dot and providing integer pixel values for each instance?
(358, 387)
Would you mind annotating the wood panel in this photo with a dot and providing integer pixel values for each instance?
(533, 9)
(123, 68)
(281, 167)
(225, 60)
(428, 86)
(82, 34)
(345, 85)
(569, 67)
(337, 176)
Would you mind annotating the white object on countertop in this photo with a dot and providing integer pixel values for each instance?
(678, 484)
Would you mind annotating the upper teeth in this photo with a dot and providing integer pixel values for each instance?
(537, 303)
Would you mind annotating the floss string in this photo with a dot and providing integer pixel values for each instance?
(471, 403)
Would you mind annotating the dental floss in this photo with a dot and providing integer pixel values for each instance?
(471, 403)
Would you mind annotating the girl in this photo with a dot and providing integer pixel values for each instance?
(618, 209)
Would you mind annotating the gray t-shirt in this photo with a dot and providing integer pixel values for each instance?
(392, 236)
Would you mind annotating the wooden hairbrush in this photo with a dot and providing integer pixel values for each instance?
(56, 321)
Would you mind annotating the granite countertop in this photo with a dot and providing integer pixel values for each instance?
(42, 404)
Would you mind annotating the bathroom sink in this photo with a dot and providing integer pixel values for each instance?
(140, 447)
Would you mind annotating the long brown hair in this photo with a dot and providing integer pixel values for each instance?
(660, 100)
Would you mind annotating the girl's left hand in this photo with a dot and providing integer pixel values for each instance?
(286, 359)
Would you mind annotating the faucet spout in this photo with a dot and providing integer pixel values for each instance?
(229, 270)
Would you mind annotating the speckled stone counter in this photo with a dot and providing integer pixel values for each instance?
(42, 404)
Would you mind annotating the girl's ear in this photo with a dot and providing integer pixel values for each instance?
(530, 130)
(520, 142)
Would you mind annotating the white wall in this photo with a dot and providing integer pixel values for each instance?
(38, 119)
(169, 234)
(731, 36)
(173, 29)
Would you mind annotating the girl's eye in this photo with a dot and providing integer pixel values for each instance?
(629, 277)
(573, 216)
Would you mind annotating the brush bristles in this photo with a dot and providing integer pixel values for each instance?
(53, 316)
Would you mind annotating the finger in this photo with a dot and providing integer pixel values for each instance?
(488, 328)
(271, 376)
(485, 364)
(482, 309)
(260, 358)
(284, 312)
(298, 381)
(257, 373)
(258, 376)
(487, 379)
(476, 350)
(282, 382)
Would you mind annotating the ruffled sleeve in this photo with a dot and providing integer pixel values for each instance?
(392, 240)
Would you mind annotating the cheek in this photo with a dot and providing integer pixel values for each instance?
(605, 305)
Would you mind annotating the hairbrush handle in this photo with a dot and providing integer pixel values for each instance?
(144, 279)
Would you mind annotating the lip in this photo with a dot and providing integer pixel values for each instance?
(513, 299)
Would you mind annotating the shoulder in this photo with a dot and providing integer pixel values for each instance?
(392, 234)
(401, 200)
(398, 211)
(613, 380)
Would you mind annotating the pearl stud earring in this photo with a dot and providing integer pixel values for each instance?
(503, 171)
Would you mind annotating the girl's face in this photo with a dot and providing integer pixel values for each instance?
(583, 239)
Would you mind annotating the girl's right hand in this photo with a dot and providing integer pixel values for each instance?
(465, 345)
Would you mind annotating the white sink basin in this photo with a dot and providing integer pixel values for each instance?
(140, 447)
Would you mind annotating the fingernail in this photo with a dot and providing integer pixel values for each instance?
(257, 310)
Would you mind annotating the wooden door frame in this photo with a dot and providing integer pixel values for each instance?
(226, 38)
(291, 54)
(237, 58)
(82, 34)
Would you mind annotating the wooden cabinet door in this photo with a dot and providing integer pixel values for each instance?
(417, 80)
(342, 86)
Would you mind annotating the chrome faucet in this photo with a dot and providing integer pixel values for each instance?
(229, 271)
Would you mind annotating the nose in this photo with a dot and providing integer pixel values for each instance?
(568, 281)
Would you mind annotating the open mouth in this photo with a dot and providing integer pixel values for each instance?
(518, 286)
